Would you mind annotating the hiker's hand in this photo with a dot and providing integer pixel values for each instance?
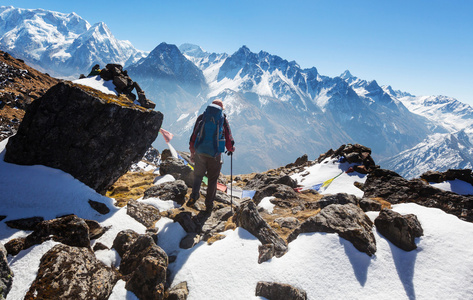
(192, 156)
(229, 152)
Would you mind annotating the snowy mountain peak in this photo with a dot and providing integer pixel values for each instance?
(63, 45)
(347, 75)
(193, 50)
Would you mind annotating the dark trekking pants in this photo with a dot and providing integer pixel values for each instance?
(212, 166)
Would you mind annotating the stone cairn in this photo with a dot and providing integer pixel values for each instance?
(123, 83)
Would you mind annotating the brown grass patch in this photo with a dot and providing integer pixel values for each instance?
(384, 203)
(132, 185)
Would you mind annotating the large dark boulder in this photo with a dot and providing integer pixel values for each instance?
(90, 135)
(398, 229)
(395, 189)
(74, 273)
(349, 221)
(6, 274)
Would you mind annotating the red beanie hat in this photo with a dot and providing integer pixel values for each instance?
(218, 102)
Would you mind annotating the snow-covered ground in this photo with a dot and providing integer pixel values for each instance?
(96, 82)
(324, 265)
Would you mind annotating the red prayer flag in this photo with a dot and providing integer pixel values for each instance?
(221, 187)
(166, 135)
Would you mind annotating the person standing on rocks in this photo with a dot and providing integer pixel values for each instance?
(210, 137)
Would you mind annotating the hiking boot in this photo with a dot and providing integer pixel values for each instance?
(191, 202)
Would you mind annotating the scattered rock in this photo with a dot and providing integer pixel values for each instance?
(90, 135)
(95, 230)
(340, 198)
(247, 217)
(6, 274)
(260, 181)
(174, 190)
(368, 204)
(289, 222)
(124, 240)
(190, 240)
(144, 213)
(398, 229)
(67, 272)
(280, 191)
(25, 224)
(188, 222)
(99, 246)
(144, 266)
(348, 220)
(70, 230)
(279, 291)
(14, 246)
(101, 208)
(395, 189)
(178, 292)
(178, 169)
(266, 252)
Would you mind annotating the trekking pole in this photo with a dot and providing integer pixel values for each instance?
(231, 181)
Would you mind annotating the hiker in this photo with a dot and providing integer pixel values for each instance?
(209, 139)
(95, 71)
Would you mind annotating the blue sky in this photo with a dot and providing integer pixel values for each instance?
(419, 46)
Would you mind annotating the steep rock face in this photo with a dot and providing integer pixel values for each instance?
(90, 135)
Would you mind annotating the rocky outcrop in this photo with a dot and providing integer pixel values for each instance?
(452, 174)
(90, 135)
(279, 291)
(340, 198)
(6, 274)
(395, 189)
(348, 220)
(144, 213)
(178, 169)
(398, 229)
(67, 272)
(355, 154)
(247, 217)
(262, 180)
(144, 266)
(174, 190)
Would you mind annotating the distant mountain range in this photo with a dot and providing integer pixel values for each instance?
(63, 45)
(277, 110)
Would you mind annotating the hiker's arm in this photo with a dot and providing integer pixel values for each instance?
(229, 142)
